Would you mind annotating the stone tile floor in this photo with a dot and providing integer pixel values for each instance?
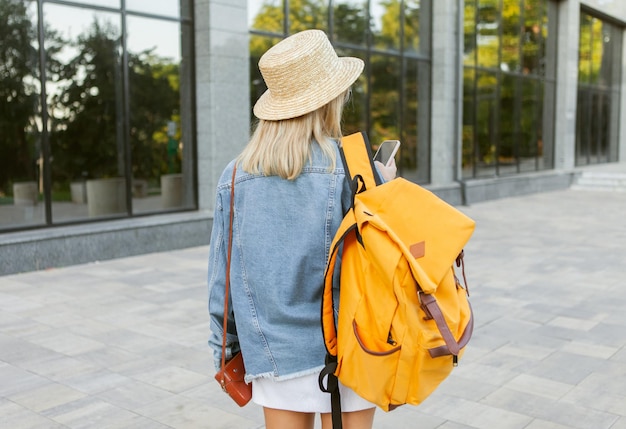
(122, 343)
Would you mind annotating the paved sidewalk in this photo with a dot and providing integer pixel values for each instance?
(122, 343)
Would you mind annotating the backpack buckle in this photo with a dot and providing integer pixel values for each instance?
(423, 305)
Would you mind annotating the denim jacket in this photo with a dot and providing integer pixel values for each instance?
(282, 231)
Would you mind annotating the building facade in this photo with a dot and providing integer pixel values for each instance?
(118, 116)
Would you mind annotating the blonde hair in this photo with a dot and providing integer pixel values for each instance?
(282, 148)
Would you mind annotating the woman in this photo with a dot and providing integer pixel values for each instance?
(290, 196)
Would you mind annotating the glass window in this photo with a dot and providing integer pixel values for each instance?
(584, 49)
(469, 123)
(507, 115)
(416, 26)
(350, 22)
(161, 7)
(385, 24)
(530, 125)
(391, 98)
(470, 49)
(385, 98)
(85, 101)
(266, 15)
(511, 33)
(305, 15)
(157, 133)
(511, 133)
(355, 111)
(599, 70)
(21, 154)
(532, 37)
(414, 155)
(487, 142)
(107, 133)
(105, 3)
(487, 28)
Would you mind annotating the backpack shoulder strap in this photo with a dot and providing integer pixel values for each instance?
(357, 157)
(328, 381)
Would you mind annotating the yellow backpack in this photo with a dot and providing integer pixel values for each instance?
(404, 317)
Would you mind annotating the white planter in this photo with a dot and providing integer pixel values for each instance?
(172, 190)
(140, 188)
(25, 193)
(106, 196)
(79, 192)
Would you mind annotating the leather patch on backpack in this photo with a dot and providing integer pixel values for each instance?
(418, 250)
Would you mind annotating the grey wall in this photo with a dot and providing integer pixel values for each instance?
(222, 79)
(70, 245)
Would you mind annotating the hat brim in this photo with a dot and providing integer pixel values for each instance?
(271, 108)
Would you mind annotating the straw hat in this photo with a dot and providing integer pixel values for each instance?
(303, 73)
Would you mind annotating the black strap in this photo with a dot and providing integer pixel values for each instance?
(332, 387)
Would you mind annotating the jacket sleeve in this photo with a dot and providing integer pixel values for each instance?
(218, 248)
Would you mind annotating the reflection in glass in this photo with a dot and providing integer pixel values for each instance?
(486, 122)
(529, 118)
(156, 129)
(85, 100)
(511, 29)
(350, 22)
(21, 160)
(416, 26)
(469, 33)
(169, 8)
(532, 40)
(71, 161)
(355, 111)
(531, 149)
(487, 28)
(266, 15)
(510, 129)
(385, 24)
(600, 52)
(105, 3)
(507, 115)
(414, 159)
(306, 15)
(585, 48)
(384, 98)
(469, 123)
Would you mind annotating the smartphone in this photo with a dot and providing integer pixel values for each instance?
(386, 151)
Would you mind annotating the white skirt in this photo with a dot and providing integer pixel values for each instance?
(303, 394)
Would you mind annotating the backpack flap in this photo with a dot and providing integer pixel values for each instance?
(427, 228)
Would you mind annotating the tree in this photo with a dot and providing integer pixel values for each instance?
(19, 94)
(154, 101)
(88, 132)
(87, 124)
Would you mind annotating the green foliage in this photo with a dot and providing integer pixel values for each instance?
(269, 19)
(87, 126)
(154, 101)
(88, 133)
(19, 95)
(307, 14)
(350, 24)
(503, 101)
